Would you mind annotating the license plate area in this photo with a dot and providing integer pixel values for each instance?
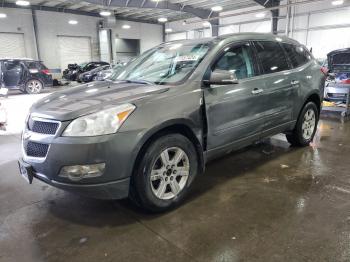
(26, 171)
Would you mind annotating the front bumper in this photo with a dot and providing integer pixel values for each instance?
(111, 190)
(118, 152)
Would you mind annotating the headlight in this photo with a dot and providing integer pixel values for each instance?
(105, 122)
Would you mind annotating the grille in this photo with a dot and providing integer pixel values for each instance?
(41, 127)
(34, 149)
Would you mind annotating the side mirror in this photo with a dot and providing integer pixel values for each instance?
(223, 77)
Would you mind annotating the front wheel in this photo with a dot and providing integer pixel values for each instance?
(33, 87)
(165, 173)
(306, 126)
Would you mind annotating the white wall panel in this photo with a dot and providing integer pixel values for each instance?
(74, 49)
(324, 41)
(53, 24)
(20, 21)
(229, 29)
(176, 36)
(12, 45)
(331, 18)
(259, 27)
(300, 36)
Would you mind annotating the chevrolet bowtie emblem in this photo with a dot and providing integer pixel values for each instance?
(26, 135)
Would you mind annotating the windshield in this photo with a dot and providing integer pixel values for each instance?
(167, 64)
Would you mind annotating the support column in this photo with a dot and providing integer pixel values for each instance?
(274, 24)
(214, 27)
(35, 31)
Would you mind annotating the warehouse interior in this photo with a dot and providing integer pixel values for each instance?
(268, 201)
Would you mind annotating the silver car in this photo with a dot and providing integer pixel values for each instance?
(149, 131)
(338, 82)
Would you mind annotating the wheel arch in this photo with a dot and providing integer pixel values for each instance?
(33, 78)
(176, 126)
(313, 97)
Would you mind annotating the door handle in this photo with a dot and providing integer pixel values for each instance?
(294, 82)
(256, 91)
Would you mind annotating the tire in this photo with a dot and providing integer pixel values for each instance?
(157, 186)
(33, 86)
(305, 127)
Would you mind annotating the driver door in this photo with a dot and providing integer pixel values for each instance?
(235, 111)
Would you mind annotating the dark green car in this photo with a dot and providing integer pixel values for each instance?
(148, 131)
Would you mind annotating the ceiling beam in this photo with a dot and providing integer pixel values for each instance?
(52, 9)
(198, 12)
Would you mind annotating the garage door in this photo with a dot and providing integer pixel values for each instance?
(12, 45)
(74, 50)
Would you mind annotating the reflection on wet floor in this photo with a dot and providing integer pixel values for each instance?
(268, 202)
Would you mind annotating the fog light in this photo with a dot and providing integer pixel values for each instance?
(79, 172)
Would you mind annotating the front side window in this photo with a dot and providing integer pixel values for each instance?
(297, 54)
(12, 66)
(167, 64)
(237, 59)
(271, 56)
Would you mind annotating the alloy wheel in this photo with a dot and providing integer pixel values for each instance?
(34, 87)
(309, 124)
(169, 173)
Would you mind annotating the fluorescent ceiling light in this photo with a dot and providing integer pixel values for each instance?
(162, 19)
(260, 15)
(338, 2)
(2, 15)
(126, 26)
(72, 22)
(105, 13)
(216, 8)
(206, 24)
(168, 30)
(22, 3)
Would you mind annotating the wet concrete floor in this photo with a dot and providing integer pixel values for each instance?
(269, 202)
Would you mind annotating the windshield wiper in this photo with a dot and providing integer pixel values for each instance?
(139, 81)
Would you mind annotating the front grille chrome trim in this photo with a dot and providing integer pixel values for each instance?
(39, 119)
(38, 138)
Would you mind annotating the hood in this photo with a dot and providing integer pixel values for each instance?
(89, 98)
(339, 61)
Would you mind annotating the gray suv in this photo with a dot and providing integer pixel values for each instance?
(148, 131)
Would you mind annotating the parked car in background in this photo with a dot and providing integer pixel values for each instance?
(338, 81)
(148, 132)
(91, 75)
(104, 74)
(28, 75)
(74, 70)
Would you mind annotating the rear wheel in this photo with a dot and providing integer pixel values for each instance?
(165, 173)
(33, 86)
(306, 126)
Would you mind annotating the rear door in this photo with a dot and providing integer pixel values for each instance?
(12, 73)
(279, 90)
(234, 113)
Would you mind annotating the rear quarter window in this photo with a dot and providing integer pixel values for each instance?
(297, 54)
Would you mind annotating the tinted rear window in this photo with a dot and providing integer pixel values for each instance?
(271, 56)
(341, 59)
(298, 55)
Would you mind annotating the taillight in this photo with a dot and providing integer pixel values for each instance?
(45, 71)
(324, 70)
(345, 81)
